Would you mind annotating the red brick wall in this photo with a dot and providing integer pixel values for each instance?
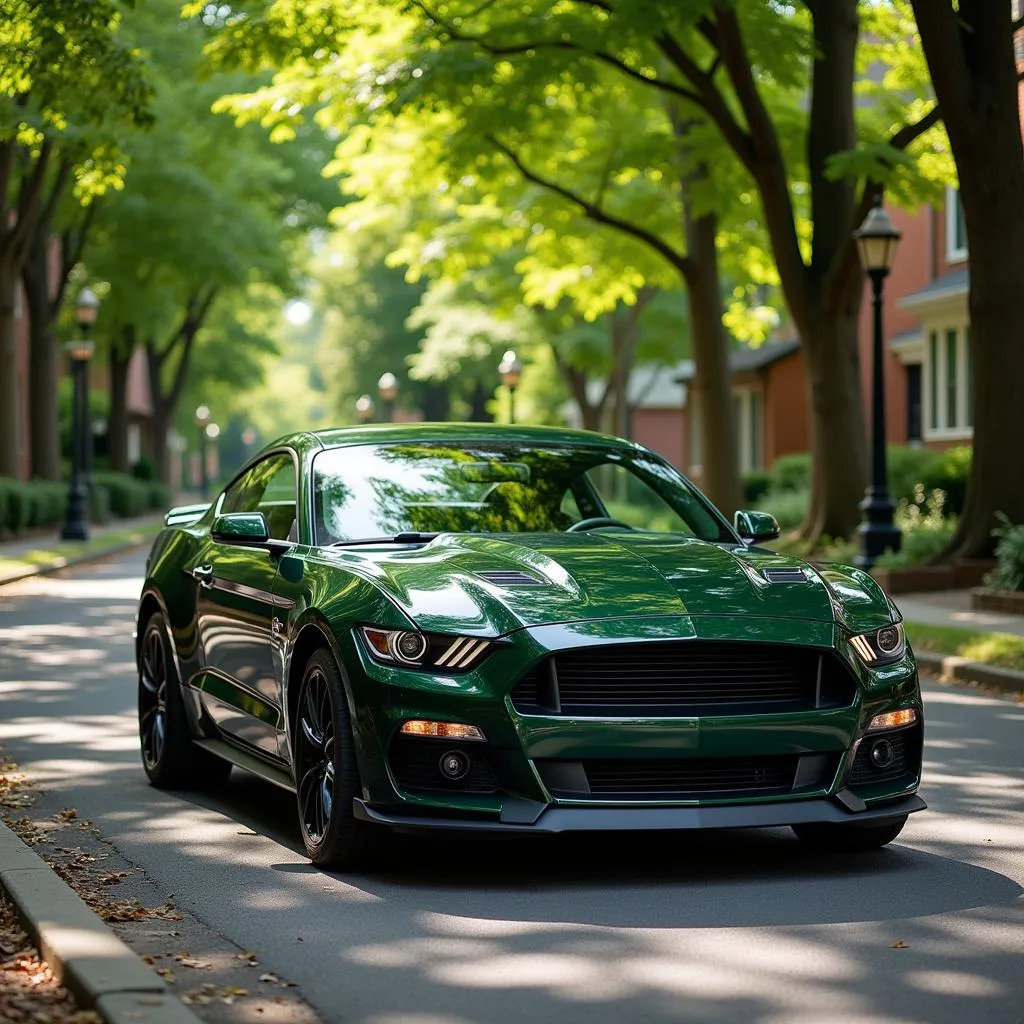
(786, 419)
(662, 431)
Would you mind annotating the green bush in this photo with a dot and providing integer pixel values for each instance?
(909, 467)
(16, 504)
(926, 528)
(99, 503)
(46, 501)
(159, 496)
(1009, 571)
(756, 485)
(792, 472)
(144, 469)
(789, 507)
(950, 473)
(128, 497)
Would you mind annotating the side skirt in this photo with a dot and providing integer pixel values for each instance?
(248, 762)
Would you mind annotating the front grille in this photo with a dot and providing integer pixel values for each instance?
(677, 778)
(906, 758)
(415, 764)
(684, 678)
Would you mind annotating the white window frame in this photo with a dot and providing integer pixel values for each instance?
(961, 431)
(748, 458)
(954, 253)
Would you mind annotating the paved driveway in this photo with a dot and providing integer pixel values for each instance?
(729, 927)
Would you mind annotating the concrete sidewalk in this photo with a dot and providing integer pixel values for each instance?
(15, 549)
(953, 608)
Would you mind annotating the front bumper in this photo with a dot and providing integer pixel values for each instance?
(552, 819)
(520, 745)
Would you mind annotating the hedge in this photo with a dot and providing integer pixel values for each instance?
(38, 504)
(946, 471)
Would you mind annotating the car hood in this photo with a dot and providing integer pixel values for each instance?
(442, 587)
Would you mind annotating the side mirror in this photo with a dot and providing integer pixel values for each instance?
(240, 528)
(755, 527)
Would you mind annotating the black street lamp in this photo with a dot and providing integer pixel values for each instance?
(387, 388)
(80, 352)
(364, 408)
(202, 419)
(877, 240)
(511, 369)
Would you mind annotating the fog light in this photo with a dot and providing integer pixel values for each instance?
(443, 730)
(893, 719)
(453, 765)
(882, 753)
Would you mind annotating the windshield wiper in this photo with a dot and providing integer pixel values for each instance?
(395, 538)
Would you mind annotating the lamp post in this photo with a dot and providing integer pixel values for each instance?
(80, 352)
(877, 239)
(511, 370)
(387, 388)
(212, 433)
(364, 408)
(202, 419)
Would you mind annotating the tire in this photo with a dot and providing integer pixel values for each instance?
(170, 758)
(326, 774)
(849, 838)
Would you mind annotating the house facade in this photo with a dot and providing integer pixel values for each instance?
(928, 380)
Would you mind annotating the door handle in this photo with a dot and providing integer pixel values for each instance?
(203, 575)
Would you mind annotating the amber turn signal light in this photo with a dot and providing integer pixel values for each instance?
(442, 730)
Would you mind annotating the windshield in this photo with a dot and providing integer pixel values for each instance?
(377, 491)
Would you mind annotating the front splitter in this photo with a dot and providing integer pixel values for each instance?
(639, 819)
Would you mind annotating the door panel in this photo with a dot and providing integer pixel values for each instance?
(236, 610)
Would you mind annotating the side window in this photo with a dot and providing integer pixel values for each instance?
(628, 498)
(269, 487)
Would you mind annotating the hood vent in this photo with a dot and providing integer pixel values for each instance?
(785, 575)
(510, 578)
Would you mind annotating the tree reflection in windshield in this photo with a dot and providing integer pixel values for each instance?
(365, 491)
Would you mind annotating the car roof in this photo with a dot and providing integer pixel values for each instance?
(462, 433)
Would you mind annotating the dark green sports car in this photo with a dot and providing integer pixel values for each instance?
(520, 630)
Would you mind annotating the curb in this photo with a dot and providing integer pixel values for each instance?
(82, 559)
(83, 953)
(949, 666)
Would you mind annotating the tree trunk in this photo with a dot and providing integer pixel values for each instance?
(712, 378)
(478, 404)
(119, 356)
(44, 430)
(159, 429)
(971, 59)
(839, 455)
(10, 396)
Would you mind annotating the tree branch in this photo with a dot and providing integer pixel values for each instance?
(611, 60)
(598, 214)
(56, 191)
(909, 132)
(28, 197)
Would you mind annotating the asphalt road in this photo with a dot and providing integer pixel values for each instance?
(725, 927)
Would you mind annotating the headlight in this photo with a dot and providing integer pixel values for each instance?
(881, 647)
(429, 651)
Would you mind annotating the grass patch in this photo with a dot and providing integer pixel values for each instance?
(1004, 650)
(59, 553)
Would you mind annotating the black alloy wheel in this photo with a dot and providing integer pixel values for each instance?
(315, 756)
(327, 779)
(170, 758)
(152, 697)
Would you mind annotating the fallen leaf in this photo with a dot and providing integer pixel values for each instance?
(899, 944)
(270, 977)
(188, 961)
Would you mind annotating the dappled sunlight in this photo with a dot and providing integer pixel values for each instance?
(92, 588)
